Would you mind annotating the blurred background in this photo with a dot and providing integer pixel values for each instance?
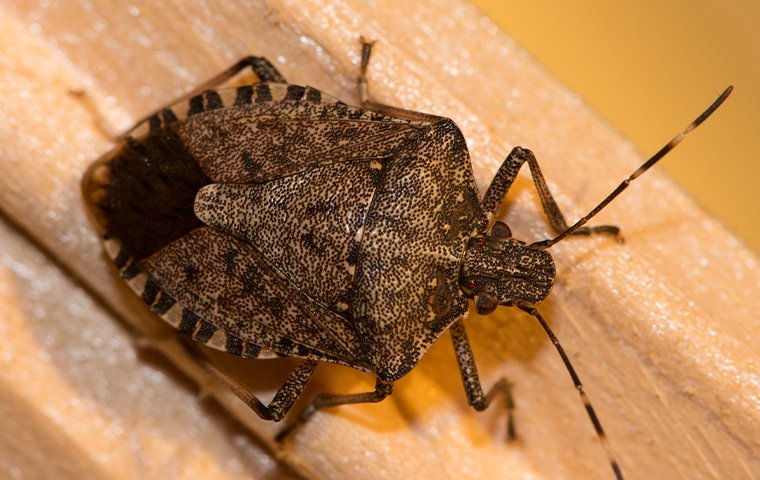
(650, 67)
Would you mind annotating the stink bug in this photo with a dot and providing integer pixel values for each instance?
(274, 220)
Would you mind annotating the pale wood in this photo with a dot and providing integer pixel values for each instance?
(661, 329)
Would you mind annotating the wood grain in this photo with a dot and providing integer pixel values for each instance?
(661, 329)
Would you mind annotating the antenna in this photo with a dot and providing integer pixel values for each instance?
(544, 244)
(578, 386)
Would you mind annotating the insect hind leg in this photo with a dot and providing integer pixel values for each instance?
(283, 400)
(475, 395)
(506, 175)
(326, 400)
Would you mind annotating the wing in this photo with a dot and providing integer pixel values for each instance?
(218, 289)
(287, 130)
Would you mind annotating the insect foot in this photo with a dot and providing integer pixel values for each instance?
(325, 400)
(272, 220)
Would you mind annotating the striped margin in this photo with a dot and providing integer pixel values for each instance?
(230, 97)
(177, 315)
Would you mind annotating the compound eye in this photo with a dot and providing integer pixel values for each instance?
(501, 230)
(468, 287)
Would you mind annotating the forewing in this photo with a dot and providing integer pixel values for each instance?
(224, 282)
(281, 136)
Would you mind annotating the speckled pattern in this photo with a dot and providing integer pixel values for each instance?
(331, 232)
(245, 298)
(529, 273)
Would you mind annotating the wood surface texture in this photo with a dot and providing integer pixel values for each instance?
(662, 329)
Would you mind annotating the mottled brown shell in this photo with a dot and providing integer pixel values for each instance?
(275, 220)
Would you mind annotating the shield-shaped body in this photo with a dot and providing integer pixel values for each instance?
(275, 220)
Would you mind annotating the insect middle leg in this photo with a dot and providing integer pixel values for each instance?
(325, 400)
(506, 175)
(283, 400)
(475, 395)
(263, 68)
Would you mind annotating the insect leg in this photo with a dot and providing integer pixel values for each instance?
(506, 176)
(475, 396)
(639, 171)
(283, 400)
(361, 82)
(363, 87)
(325, 400)
(260, 66)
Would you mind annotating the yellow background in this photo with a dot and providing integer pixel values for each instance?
(650, 67)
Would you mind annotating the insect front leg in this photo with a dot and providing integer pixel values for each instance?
(475, 396)
(325, 400)
(283, 400)
(260, 66)
(506, 176)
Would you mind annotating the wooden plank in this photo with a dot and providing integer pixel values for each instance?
(661, 329)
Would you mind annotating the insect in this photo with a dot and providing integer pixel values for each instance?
(274, 220)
